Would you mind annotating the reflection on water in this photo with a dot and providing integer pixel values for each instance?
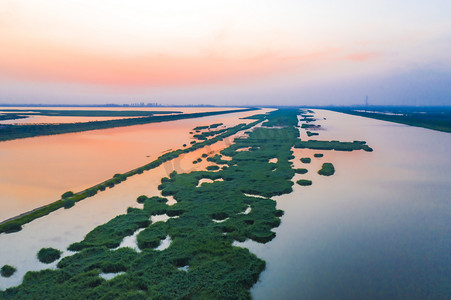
(36, 171)
(55, 120)
(377, 229)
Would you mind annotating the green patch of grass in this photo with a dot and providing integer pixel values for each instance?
(333, 145)
(67, 194)
(68, 203)
(318, 155)
(327, 169)
(304, 182)
(300, 171)
(306, 160)
(48, 255)
(7, 271)
(212, 168)
(309, 133)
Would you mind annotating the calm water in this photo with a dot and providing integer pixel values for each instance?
(36, 171)
(377, 229)
(55, 119)
(63, 227)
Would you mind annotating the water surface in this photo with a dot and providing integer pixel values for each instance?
(377, 229)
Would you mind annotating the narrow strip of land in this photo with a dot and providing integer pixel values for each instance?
(434, 121)
(11, 132)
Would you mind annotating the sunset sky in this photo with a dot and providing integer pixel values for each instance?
(253, 52)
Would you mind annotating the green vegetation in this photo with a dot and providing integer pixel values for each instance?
(217, 270)
(310, 126)
(11, 226)
(15, 224)
(11, 116)
(306, 160)
(48, 255)
(67, 194)
(206, 134)
(11, 132)
(212, 126)
(333, 145)
(309, 133)
(7, 271)
(300, 171)
(304, 182)
(212, 168)
(318, 155)
(68, 203)
(435, 118)
(327, 169)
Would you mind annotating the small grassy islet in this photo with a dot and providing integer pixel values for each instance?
(7, 271)
(327, 169)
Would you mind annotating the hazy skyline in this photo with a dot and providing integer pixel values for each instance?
(225, 52)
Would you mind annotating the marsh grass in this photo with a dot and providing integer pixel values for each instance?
(7, 271)
(48, 255)
(304, 182)
(306, 160)
(217, 270)
(327, 169)
(333, 145)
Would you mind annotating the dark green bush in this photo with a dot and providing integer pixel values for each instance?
(7, 271)
(304, 182)
(48, 255)
(11, 227)
(141, 199)
(318, 155)
(306, 160)
(68, 203)
(327, 169)
(300, 171)
(212, 168)
(67, 194)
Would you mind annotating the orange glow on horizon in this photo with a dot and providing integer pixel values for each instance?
(36, 60)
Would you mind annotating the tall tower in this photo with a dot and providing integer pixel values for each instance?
(366, 101)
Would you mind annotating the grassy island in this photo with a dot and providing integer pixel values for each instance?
(300, 171)
(304, 182)
(333, 145)
(306, 160)
(7, 271)
(327, 169)
(48, 255)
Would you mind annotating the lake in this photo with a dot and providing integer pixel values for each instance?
(377, 229)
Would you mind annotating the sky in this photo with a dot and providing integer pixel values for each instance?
(253, 52)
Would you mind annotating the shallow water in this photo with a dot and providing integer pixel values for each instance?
(377, 229)
(37, 171)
